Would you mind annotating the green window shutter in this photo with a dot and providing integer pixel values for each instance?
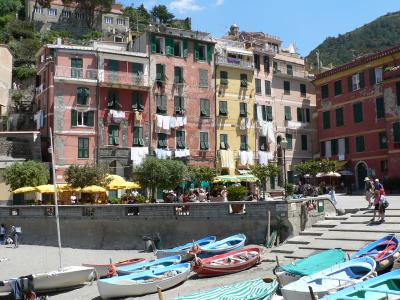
(338, 87)
(83, 147)
(303, 89)
(76, 63)
(178, 72)
(74, 117)
(286, 87)
(326, 119)
(140, 134)
(350, 83)
(243, 143)
(267, 87)
(289, 139)
(262, 143)
(185, 48)
(269, 113)
(82, 95)
(325, 91)
(137, 68)
(256, 61)
(322, 148)
(396, 132)
(90, 118)
(360, 147)
(339, 117)
(243, 109)
(223, 77)
(357, 112)
(204, 141)
(135, 136)
(362, 80)
(223, 108)
(304, 145)
(113, 65)
(372, 78)
(266, 63)
(203, 78)
(383, 140)
(380, 108)
(308, 117)
(210, 49)
(334, 147)
(160, 72)
(180, 139)
(398, 92)
(164, 103)
(299, 115)
(258, 86)
(346, 145)
(288, 113)
(204, 107)
(169, 44)
(153, 43)
(243, 80)
(196, 50)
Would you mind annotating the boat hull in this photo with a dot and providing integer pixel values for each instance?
(147, 265)
(102, 269)
(183, 250)
(232, 243)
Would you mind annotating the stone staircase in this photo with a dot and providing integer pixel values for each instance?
(350, 232)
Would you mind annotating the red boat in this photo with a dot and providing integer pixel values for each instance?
(103, 269)
(227, 263)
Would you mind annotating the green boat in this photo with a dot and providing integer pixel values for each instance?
(256, 289)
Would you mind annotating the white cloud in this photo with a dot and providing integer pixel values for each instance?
(183, 6)
(219, 2)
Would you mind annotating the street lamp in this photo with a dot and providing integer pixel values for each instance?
(284, 146)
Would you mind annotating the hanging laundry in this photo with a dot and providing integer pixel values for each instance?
(36, 118)
(259, 113)
(262, 157)
(173, 122)
(184, 119)
(138, 154)
(179, 122)
(242, 124)
(248, 123)
(226, 158)
(159, 121)
(270, 133)
(165, 123)
(263, 128)
(246, 157)
(250, 157)
(117, 115)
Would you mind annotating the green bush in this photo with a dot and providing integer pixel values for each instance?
(216, 189)
(115, 201)
(140, 199)
(22, 73)
(289, 188)
(236, 193)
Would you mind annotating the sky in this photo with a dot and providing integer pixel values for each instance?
(307, 22)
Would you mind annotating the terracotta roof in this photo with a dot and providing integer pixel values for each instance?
(358, 62)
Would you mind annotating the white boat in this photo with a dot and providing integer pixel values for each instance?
(330, 280)
(66, 278)
(143, 283)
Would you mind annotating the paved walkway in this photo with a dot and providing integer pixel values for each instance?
(359, 202)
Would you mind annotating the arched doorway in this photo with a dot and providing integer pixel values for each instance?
(361, 173)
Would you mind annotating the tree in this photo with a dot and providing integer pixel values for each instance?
(139, 17)
(29, 173)
(161, 14)
(176, 173)
(202, 173)
(9, 6)
(263, 173)
(86, 175)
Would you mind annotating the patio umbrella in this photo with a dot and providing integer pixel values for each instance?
(226, 178)
(25, 189)
(93, 189)
(45, 188)
(247, 178)
(132, 185)
(332, 174)
(63, 187)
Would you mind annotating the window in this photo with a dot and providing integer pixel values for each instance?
(83, 148)
(82, 96)
(161, 103)
(223, 77)
(380, 108)
(334, 147)
(268, 113)
(383, 140)
(108, 20)
(326, 119)
(76, 68)
(38, 10)
(121, 22)
(258, 86)
(243, 80)
(275, 66)
(157, 44)
(338, 87)
(243, 143)
(398, 92)
(179, 105)
(308, 117)
(52, 12)
(160, 72)
(322, 148)
(204, 108)
(200, 51)
(137, 68)
(360, 147)
(180, 139)
(162, 140)
(223, 144)
(339, 117)
(178, 75)
(289, 70)
(138, 137)
(203, 78)
(204, 141)
(137, 101)
(384, 166)
(257, 61)
(266, 63)
(267, 88)
(286, 87)
(357, 112)
(289, 139)
(113, 100)
(396, 132)
(304, 145)
(169, 45)
(347, 145)
(357, 81)
(178, 48)
(303, 90)
(375, 76)
(113, 65)
(262, 143)
(82, 118)
(243, 109)
(288, 113)
(223, 108)
(113, 135)
(325, 91)
(299, 114)
(66, 13)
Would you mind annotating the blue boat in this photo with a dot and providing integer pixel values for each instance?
(382, 251)
(234, 242)
(149, 265)
(143, 283)
(183, 250)
(386, 286)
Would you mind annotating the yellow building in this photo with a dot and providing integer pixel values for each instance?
(235, 122)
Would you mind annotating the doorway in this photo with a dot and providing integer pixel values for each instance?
(361, 173)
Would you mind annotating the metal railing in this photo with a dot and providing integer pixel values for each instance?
(295, 71)
(235, 62)
(126, 78)
(76, 73)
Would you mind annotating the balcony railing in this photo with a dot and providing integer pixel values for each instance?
(75, 73)
(235, 62)
(124, 78)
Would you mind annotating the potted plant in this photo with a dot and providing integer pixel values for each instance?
(140, 199)
(236, 193)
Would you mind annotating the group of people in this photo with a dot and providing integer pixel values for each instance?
(14, 235)
(375, 192)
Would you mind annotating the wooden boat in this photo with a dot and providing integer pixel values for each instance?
(384, 251)
(386, 286)
(184, 249)
(143, 283)
(149, 265)
(66, 278)
(309, 265)
(255, 289)
(232, 243)
(330, 280)
(227, 263)
(103, 269)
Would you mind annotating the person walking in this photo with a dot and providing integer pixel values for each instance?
(15, 232)
(369, 189)
(333, 195)
(3, 232)
(383, 203)
(378, 186)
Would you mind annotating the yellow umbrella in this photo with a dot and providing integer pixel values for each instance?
(45, 188)
(25, 189)
(63, 187)
(132, 185)
(113, 177)
(93, 189)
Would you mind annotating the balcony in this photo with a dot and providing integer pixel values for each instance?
(234, 62)
(123, 79)
(297, 72)
(75, 74)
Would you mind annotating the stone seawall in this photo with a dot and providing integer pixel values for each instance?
(122, 226)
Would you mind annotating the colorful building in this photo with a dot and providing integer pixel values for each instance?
(359, 115)
(6, 64)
